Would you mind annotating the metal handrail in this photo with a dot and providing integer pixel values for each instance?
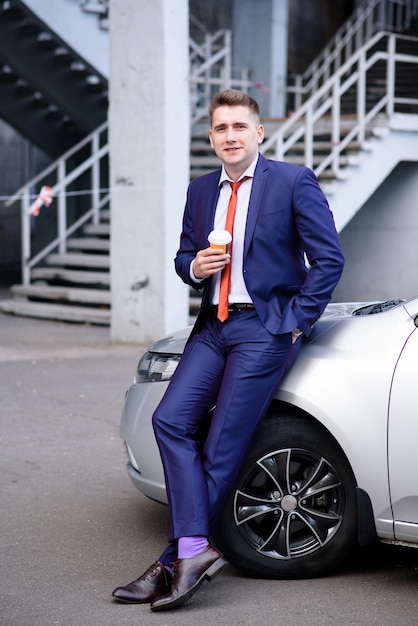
(53, 166)
(211, 71)
(326, 103)
(98, 192)
(72, 229)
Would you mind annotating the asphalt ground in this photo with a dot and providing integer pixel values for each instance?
(72, 526)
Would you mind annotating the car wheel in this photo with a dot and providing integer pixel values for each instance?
(293, 512)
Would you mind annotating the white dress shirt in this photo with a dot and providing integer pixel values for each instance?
(238, 292)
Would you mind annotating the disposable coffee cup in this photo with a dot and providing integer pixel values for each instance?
(220, 240)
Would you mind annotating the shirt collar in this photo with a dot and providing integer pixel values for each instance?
(248, 172)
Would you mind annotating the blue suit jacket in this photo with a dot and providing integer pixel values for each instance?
(288, 217)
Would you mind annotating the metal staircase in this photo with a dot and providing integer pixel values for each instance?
(48, 92)
(373, 104)
(68, 277)
(346, 109)
(211, 69)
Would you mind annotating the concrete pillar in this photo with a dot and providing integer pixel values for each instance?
(260, 44)
(149, 164)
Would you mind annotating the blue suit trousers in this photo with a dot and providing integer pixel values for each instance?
(213, 406)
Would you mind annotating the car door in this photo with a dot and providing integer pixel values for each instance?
(403, 442)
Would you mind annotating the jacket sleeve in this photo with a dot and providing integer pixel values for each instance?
(188, 247)
(319, 238)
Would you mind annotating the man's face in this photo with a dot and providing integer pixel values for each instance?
(235, 135)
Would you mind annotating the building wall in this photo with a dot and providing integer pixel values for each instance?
(260, 36)
(213, 15)
(380, 242)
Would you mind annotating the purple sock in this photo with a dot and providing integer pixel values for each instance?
(191, 546)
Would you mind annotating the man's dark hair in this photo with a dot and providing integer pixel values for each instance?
(233, 98)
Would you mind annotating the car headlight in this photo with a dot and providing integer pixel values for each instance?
(154, 367)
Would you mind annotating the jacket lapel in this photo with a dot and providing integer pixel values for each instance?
(257, 190)
(205, 219)
(213, 197)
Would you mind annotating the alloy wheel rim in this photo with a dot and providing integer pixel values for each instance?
(289, 503)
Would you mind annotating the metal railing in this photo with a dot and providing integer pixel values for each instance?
(211, 71)
(371, 17)
(66, 177)
(326, 103)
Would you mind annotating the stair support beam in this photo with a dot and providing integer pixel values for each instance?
(26, 227)
(361, 98)
(95, 176)
(335, 138)
(62, 211)
(390, 75)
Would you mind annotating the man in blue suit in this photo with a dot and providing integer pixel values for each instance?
(247, 334)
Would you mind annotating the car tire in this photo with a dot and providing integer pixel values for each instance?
(293, 512)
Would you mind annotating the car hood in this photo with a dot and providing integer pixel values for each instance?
(334, 313)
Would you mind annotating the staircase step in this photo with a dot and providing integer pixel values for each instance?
(201, 146)
(322, 146)
(89, 243)
(327, 175)
(56, 312)
(71, 259)
(381, 132)
(195, 173)
(212, 163)
(318, 146)
(71, 276)
(67, 294)
(99, 230)
(105, 215)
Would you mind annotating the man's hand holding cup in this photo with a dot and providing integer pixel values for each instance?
(213, 259)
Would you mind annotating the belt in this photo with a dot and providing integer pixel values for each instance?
(244, 306)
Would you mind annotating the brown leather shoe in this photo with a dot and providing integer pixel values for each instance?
(188, 575)
(156, 581)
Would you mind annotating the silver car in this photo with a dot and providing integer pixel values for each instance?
(335, 462)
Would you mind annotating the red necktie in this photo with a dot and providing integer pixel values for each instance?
(226, 272)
